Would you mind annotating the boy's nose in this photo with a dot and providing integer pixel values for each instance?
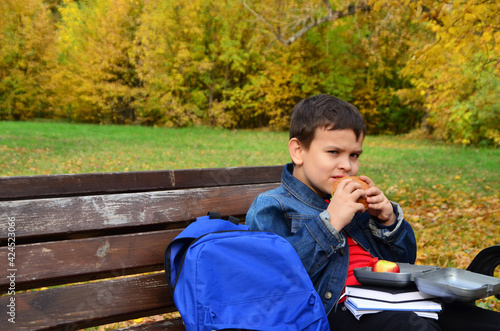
(344, 163)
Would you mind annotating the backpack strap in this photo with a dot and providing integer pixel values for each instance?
(213, 215)
(216, 215)
(233, 220)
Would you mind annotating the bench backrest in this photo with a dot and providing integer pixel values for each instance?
(105, 234)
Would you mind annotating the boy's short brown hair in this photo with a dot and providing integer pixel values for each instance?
(324, 111)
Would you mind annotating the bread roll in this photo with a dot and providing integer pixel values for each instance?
(364, 185)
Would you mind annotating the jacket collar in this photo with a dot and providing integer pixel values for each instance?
(300, 190)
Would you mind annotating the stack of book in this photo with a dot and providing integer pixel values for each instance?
(364, 299)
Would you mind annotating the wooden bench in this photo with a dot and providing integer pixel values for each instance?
(89, 248)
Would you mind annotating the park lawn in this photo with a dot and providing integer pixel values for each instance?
(450, 194)
(54, 148)
(34, 148)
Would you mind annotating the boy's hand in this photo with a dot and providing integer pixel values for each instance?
(343, 203)
(378, 205)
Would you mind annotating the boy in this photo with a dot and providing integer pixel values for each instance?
(335, 234)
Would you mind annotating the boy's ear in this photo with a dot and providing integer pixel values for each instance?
(295, 149)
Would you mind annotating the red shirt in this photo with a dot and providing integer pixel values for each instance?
(358, 258)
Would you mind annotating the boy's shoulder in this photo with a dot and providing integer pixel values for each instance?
(277, 197)
(275, 192)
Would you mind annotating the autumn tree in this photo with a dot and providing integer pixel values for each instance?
(456, 66)
(96, 79)
(195, 59)
(383, 93)
(433, 57)
(358, 55)
(244, 63)
(26, 45)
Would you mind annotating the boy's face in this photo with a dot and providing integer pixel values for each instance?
(332, 154)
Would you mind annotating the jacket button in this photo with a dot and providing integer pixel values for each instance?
(328, 295)
(342, 252)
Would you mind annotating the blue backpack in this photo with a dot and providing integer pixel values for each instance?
(223, 276)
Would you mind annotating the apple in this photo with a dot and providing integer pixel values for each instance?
(385, 266)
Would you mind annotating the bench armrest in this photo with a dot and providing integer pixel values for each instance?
(486, 262)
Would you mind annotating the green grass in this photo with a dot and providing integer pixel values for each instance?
(32, 148)
(421, 164)
(394, 163)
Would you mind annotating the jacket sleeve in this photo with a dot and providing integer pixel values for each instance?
(396, 242)
(268, 214)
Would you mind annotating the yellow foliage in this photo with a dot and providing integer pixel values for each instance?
(455, 68)
(26, 45)
(95, 78)
(185, 62)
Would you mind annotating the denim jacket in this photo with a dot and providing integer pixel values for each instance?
(298, 214)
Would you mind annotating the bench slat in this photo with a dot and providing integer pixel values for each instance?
(91, 304)
(67, 216)
(36, 187)
(64, 262)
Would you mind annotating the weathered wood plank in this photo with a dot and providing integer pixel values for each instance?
(63, 262)
(91, 304)
(36, 187)
(66, 216)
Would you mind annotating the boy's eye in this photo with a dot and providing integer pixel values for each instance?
(355, 155)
